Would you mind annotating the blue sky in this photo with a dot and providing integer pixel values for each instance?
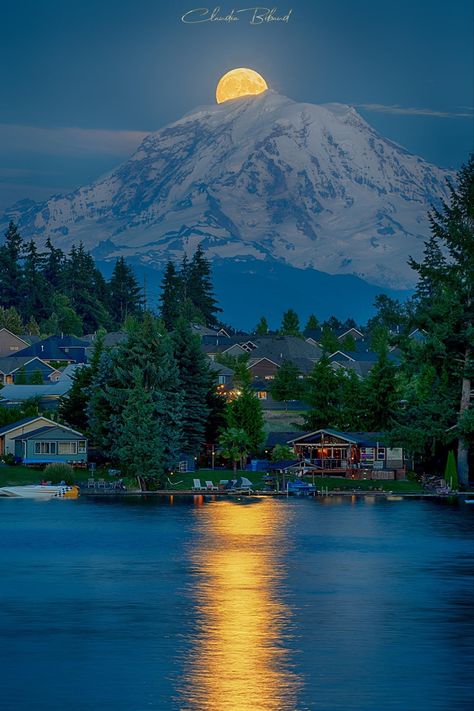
(82, 81)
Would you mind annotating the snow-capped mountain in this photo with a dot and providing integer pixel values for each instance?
(257, 178)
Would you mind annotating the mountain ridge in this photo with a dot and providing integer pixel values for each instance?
(257, 178)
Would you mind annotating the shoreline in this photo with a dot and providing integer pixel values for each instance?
(275, 494)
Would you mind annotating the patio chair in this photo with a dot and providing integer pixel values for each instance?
(197, 485)
(101, 484)
(211, 487)
(91, 483)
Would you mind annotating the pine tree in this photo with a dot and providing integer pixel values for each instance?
(32, 328)
(381, 394)
(287, 384)
(322, 394)
(11, 320)
(329, 342)
(350, 406)
(125, 296)
(446, 300)
(53, 266)
(171, 299)
(245, 413)
(86, 289)
(290, 325)
(73, 407)
(11, 272)
(63, 318)
(20, 376)
(312, 324)
(36, 290)
(138, 447)
(199, 288)
(261, 329)
(349, 343)
(195, 381)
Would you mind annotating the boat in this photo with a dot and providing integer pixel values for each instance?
(300, 488)
(394, 498)
(469, 501)
(41, 491)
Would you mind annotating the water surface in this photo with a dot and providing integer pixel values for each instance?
(253, 605)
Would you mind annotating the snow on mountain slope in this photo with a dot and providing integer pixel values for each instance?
(261, 178)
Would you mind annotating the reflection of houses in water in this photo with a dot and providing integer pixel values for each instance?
(350, 454)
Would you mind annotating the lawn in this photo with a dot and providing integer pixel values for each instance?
(18, 475)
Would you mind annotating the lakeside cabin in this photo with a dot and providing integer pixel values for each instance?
(39, 440)
(352, 454)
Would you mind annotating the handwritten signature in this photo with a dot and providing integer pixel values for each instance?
(255, 15)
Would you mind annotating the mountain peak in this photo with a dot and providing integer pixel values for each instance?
(260, 178)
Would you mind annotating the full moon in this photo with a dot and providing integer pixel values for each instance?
(239, 82)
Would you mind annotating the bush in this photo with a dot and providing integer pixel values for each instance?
(59, 472)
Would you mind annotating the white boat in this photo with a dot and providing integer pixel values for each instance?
(40, 491)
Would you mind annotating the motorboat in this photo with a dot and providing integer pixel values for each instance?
(40, 491)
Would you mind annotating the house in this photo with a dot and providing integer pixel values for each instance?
(354, 454)
(223, 376)
(48, 394)
(22, 428)
(10, 344)
(58, 348)
(262, 368)
(49, 444)
(21, 367)
(361, 360)
(343, 333)
(278, 349)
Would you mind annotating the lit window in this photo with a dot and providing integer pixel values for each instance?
(262, 394)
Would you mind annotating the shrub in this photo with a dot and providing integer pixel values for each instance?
(59, 472)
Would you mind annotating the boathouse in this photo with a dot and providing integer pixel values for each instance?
(354, 454)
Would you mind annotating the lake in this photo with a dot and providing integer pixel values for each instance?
(254, 605)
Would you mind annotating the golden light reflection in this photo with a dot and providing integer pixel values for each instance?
(238, 661)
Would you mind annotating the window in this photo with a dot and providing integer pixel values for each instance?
(14, 348)
(381, 453)
(81, 447)
(262, 394)
(221, 379)
(367, 454)
(67, 447)
(45, 447)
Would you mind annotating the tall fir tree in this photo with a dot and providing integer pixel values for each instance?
(124, 293)
(195, 381)
(199, 289)
(36, 293)
(287, 384)
(261, 329)
(11, 271)
(312, 324)
(290, 325)
(172, 297)
(322, 395)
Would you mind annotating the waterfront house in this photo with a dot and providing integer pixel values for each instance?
(49, 444)
(13, 369)
(67, 349)
(10, 343)
(354, 454)
(22, 428)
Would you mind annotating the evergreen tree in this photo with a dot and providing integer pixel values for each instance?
(53, 267)
(381, 394)
(171, 299)
(446, 301)
(199, 289)
(261, 329)
(379, 338)
(349, 343)
(73, 407)
(287, 384)
(86, 289)
(32, 328)
(195, 381)
(351, 394)
(63, 318)
(138, 446)
(312, 324)
(245, 413)
(11, 272)
(20, 377)
(332, 323)
(11, 320)
(36, 291)
(329, 342)
(322, 394)
(125, 296)
(290, 325)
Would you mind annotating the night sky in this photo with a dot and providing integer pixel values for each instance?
(83, 80)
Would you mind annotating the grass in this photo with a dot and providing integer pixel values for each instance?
(18, 475)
